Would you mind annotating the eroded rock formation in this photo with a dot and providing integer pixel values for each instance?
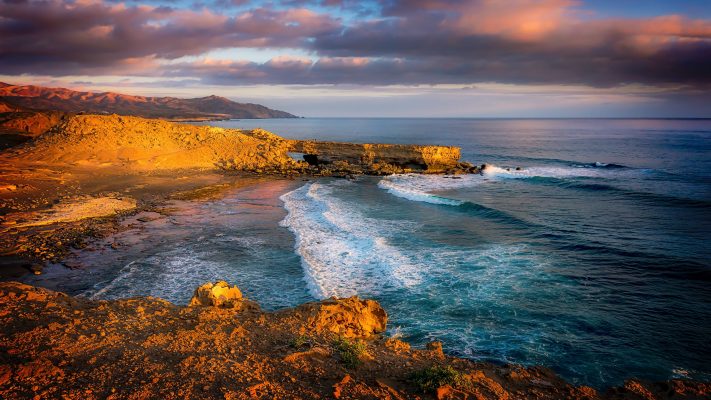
(53, 346)
(412, 157)
(140, 144)
(218, 294)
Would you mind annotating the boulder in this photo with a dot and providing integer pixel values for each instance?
(218, 294)
(436, 348)
(350, 317)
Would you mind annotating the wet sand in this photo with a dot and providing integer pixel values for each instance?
(45, 212)
(170, 248)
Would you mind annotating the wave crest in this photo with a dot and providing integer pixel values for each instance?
(343, 252)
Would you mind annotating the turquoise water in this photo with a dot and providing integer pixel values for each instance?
(593, 259)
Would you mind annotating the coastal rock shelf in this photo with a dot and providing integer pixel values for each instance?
(139, 144)
(413, 157)
(56, 346)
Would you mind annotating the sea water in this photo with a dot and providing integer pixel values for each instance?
(584, 248)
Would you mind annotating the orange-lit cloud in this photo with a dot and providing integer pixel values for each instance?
(402, 42)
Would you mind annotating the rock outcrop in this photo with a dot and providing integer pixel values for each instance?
(53, 346)
(70, 211)
(410, 157)
(139, 144)
(32, 123)
(218, 294)
(350, 317)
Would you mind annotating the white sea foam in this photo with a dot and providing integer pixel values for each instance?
(400, 190)
(342, 251)
(170, 275)
(425, 188)
(417, 187)
(492, 171)
(125, 273)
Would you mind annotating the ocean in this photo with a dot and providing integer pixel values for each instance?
(592, 259)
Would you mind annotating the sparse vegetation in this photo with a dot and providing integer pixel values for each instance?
(350, 351)
(431, 378)
(300, 341)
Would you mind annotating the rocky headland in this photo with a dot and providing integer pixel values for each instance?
(138, 144)
(223, 346)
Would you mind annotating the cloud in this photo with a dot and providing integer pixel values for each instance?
(404, 42)
(530, 41)
(92, 37)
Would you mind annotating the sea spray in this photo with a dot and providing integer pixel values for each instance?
(426, 188)
(343, 253)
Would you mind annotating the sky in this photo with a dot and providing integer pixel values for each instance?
(378, 58)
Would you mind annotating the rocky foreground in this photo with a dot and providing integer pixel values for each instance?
(223, 346)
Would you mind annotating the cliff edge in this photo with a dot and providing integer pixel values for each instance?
(224, 346)
(140, 144)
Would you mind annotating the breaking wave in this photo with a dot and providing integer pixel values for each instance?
(342, 251)
(425, 188)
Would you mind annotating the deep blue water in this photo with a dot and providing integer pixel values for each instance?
(593, 259)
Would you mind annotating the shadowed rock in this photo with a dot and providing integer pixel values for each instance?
(32, 123)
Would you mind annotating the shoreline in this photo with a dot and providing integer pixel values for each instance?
(181, 220)
(24, 247)
(98, 159)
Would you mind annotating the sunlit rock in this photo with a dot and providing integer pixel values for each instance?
(350, 317)
(218, 294)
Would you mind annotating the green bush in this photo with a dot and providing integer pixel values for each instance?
(350, 351)
(299, 341)
(430, 378)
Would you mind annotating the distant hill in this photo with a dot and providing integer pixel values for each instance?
(32, 97)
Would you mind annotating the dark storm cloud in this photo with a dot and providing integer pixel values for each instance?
(409, 42)
(57, 38)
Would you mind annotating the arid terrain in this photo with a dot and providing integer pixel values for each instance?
(224, 346)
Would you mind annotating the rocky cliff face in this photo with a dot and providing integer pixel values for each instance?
(414, 157)
(148, 144)
(56, 346)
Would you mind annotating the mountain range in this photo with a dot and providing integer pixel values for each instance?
(37, 98)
